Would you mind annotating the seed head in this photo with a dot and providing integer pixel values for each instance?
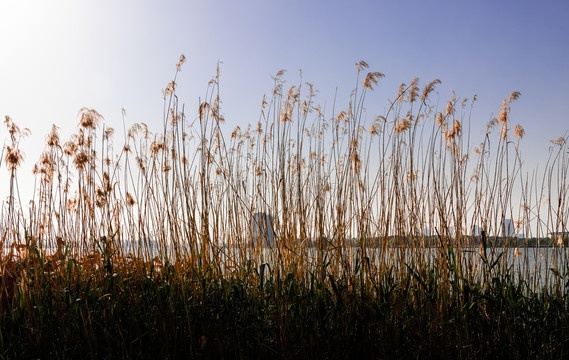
(180, 62)
(429, 88)
(53, 137)
(156, 146)
(108, 133)
(89, 118)
(449, 108)
(413, 90)
(170, 88)
(129, 199)
(13, 158)
(45, 166)
(514, 96)
(236, 132)
(519, 132)
(202, 109)
(361, 65)
(371, 79)
(401, 92)
(69, 148)
(559, 141)
(373, 129)
(503, 116)
(402, 125)
(100, 197)
(439, 119)
(454, 131)
(81, 159)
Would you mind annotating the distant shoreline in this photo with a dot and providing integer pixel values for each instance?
(465, 242)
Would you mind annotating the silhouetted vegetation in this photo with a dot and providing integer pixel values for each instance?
(154, 249)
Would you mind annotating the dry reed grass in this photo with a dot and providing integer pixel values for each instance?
(350, 201)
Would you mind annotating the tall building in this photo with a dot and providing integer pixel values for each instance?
(262, 229)
(508, 228)
(476, 231)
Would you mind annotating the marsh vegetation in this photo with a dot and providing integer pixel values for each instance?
(152, 248)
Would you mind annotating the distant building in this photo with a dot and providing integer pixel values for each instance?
(508, 228)
(476, 231)
(262, 230)
(560, 237)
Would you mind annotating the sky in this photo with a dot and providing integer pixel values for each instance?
(60, 56)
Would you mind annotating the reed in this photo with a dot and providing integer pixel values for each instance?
(165, 247)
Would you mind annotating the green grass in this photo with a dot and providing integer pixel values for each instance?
(189, 312)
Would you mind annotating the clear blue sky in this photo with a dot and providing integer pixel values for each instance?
(60, 56)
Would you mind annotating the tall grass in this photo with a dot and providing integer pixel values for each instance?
(373, 219)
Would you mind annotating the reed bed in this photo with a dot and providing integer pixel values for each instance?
(305, 235)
